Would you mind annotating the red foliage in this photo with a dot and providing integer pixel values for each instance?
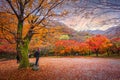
(99, 43)
(116, 45)
(7, 47)
(63, 46)
(96, 43)
(116, 39)
(66, 46)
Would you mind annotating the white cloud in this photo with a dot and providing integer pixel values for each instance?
(84, 24)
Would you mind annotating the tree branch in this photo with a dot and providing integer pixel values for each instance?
(9, 2)
(34, 10)
(4, 35)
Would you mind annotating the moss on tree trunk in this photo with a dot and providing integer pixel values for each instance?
(24, 63)
(22, 47)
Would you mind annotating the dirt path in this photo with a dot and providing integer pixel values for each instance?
(64, 69)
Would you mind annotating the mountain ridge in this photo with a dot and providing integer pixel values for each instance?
(110, 32)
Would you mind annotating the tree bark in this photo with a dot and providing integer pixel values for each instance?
(89, 53)
(24, 63)
(22, 47)
(97, 52)
(108, 52)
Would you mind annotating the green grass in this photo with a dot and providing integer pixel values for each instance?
(105, 56)
(92, 55)
(7, 56)
(12, 56)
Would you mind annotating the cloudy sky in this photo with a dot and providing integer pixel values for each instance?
(94, 15)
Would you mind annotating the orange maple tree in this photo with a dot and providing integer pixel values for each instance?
(71, 47)
(98, 43)
(36, 13)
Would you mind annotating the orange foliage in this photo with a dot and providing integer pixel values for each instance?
(5, 46)
(67, 46)
(96, 43)
(45, 37)
(99, 42)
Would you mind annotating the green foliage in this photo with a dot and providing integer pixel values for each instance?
(7, 55)
(64, 37)
(1, 43)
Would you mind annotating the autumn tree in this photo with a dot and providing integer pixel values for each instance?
(98, 43)
(115, 49)
(34, 12)
(63, 46)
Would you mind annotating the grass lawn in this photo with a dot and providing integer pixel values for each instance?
(92, 55)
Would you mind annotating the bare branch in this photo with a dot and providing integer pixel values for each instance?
(9, 2)
(52, 6)
(5, 36)
(34, 10)
(8, 30)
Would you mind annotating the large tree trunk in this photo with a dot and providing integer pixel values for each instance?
(24, 63)
(22, 47)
